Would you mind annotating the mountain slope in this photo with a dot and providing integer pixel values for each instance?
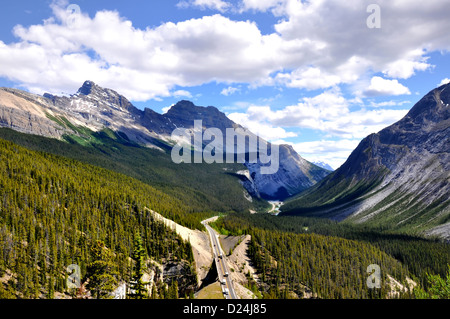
(93, 108)
(201, 187)
(55, 210)
(397, 178)
(196, 186)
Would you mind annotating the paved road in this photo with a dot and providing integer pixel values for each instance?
(221, 264)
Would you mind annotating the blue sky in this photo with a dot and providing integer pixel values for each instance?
(309, 73)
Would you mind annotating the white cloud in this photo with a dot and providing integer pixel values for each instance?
(333, 152)
(142, 64)
(259, 5)
(406, 67)
(398, 49)
(316, 45)
(229, 91)
(218, 5)
(329, 113)
(260, 127)
(444, 81)
(379, 86)
(166, 109)
(311, 78)
(389, 103)
(182, 93)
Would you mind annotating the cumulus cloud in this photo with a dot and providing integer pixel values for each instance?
(261, 127)
(334, 152)
(329, 113)
(182, 93)
(229, 91)
(398, 49)
(57, 56)
(310, 78)
(64, 50)
(406, 67)
(379, 86)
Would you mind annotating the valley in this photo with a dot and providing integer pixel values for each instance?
(89, 180)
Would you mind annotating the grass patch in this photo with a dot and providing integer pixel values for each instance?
(212, 291)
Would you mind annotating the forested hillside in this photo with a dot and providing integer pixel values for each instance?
(200, 187)
(298, 254)
(53, 210)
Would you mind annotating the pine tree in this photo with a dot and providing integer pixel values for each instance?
(100, 272)
(173, 290)
(137, 285)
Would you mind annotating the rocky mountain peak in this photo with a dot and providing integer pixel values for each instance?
(432, 107)
(184, 113)
(103, 97)
(87, 88)
(183, 105)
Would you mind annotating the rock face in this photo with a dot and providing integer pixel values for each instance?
(28, 113)
(294, 175)
(97, 108)
(399, 177)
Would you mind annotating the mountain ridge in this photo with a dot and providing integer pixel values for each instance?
(95, 108)
(396, 178)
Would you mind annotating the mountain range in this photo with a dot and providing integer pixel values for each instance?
(94, 108)
(92, 168)
(397, 178)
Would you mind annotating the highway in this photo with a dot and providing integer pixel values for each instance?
(221, 264)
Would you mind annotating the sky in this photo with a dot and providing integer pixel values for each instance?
(319, 75)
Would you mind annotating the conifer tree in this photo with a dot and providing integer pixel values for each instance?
(100, 272)
(137, 285)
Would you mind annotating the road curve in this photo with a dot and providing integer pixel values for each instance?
(221, 264)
